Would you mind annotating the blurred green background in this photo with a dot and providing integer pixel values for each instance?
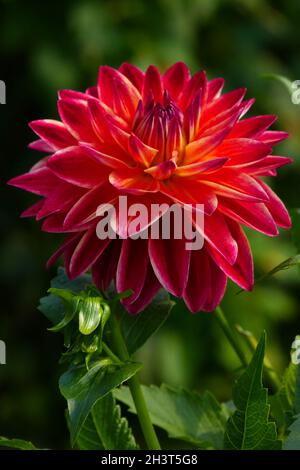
(46, 46)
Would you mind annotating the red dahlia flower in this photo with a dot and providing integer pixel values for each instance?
(157, 138)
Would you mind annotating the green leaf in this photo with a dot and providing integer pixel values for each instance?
(51, 306)
(286, 402)
(90, 313)
(88, 438)
(189, 416)
(17, 444)
(249, 426)
(286, 264)
(295, 230)
(113, 430)
(293, 440)
(83, 388)
(137, 329)
(70, 303)
(105, 429)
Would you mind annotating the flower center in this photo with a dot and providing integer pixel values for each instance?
(160, 126)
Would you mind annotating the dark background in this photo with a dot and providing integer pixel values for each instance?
(46, 46)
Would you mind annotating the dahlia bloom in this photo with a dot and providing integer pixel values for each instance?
(157, 138)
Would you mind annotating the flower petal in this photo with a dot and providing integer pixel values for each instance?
(241, 272)
(252, 214)
(75, 115)
(73, 164)
(53, 132)
(42, 181)
(206, 284)
(242, 151)
(103, 158)
(85, 209)
(149, 290)
(153, 84)
(175, 79)
(118, 92)
(186, 191)
(232, 183)
(205, 166)
(203, 146)
(105, 268)
(140, 152)
(134, 74)
(276, 208)
(170, 261)
(252, 127)
(132, 267)
(133, 180)
(88, 250)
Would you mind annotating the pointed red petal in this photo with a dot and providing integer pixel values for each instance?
(175, 79)
(74, 165)
(206, 284)
(170, 261)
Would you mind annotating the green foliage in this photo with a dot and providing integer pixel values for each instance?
(52, 305)
(137, 329)
(83, 388)
(286, 264)
(197, 419)
(105, 429)
(285, 404)
(249, 427)
(295, 214)
(293, 439)
(19, 444)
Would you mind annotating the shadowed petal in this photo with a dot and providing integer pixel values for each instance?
(88, 250)
(170, 261)
(241, 272)
(132, 267)
(206, 284)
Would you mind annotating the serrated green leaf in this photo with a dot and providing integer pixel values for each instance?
(17, 444)
(113, 430)
(189, 416)
(137, 329)
(88, 438)
(83, 388)
(249, 427)
(286, 402)
(51, 306)
(293, 440)
(90, 312)
(105, 429)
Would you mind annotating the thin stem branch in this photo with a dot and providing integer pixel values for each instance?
(135, 388)
(231, 335)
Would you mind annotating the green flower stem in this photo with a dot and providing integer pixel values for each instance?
(231, 335)
(135, 388)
